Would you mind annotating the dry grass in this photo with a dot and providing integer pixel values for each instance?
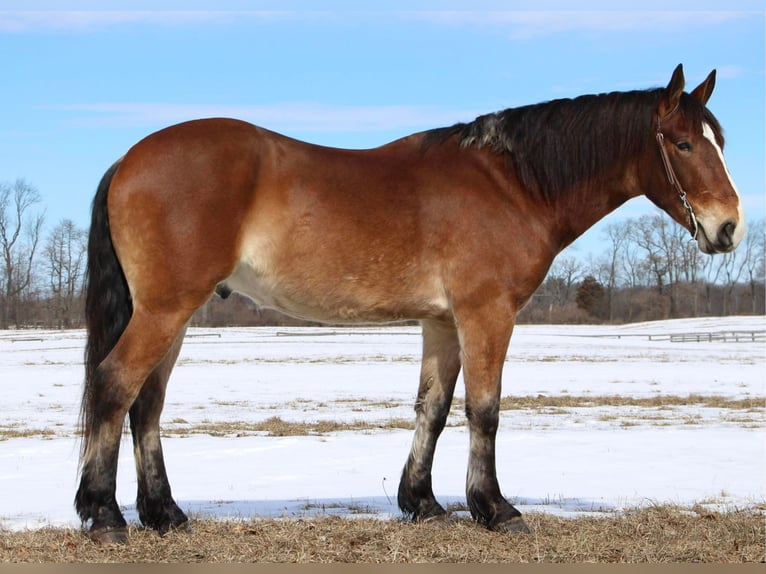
(659, 401)
(276, 426)
(655, 535)
(744, 412)
(549, 405)
(8, 432)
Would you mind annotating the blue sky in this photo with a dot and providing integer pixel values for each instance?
(83, 81)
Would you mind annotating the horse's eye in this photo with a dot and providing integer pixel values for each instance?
(684, 146)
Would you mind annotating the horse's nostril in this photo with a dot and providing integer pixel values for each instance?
(725, 234)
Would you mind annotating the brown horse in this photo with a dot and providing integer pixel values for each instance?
(454, 227)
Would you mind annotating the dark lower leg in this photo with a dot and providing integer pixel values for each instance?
(154, 500)
(114, 388)
(485, 338)
(416, 498)
(485, 501)
(95, 498)
(441, 364)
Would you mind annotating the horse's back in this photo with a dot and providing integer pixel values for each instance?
(319, 232)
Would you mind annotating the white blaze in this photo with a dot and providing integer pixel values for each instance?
(709, 134)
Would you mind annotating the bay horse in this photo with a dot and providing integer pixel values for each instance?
(454, 227)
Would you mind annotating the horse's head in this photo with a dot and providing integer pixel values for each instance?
(693, 184)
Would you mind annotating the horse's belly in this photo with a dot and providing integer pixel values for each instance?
(336, 298)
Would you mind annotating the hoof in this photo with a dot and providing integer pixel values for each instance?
(434, 513)
(515, 525)
(109, 535)
(183, 527)
(440, 517)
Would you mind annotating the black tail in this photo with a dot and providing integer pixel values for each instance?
(108, 306)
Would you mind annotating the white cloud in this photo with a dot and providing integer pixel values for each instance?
(730, 72)
(528, 24)
(521, 24)
(82, 20)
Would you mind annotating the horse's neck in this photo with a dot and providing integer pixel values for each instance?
(585, 204)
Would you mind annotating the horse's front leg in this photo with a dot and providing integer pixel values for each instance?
(484, 341)
(438, 374)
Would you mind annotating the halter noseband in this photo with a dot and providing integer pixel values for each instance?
(672, 178)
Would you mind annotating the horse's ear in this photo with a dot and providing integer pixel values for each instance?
(705, 89)
(672, 95)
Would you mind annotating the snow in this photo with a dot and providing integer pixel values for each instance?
(567, 461)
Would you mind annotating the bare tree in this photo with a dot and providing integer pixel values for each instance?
(633, 269)
(670, 256)
(564, 274)
(644, 235)
(65, 259)
(617, 235)
(19, 235)
(755, 264)
(557, 289)
(746, 262)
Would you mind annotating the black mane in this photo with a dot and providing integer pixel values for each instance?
(554, 145)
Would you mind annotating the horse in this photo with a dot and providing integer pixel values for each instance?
(453, 227)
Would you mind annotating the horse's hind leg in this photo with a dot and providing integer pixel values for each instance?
(156, 507)
(439, 371)
(117, 382)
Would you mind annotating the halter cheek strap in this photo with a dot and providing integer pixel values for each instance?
(672, 178)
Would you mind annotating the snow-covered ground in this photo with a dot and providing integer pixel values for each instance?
(564, 460)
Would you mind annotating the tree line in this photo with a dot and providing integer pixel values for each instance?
(648, 269)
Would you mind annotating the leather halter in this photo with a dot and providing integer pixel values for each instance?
(672, 178)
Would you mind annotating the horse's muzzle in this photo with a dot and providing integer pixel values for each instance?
(725, 239)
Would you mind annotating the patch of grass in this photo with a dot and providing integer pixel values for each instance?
(8, 432)
(656, 410)
(755, 404)
(278, 427)
(654, 535)
(238, 404)
(370, 404)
